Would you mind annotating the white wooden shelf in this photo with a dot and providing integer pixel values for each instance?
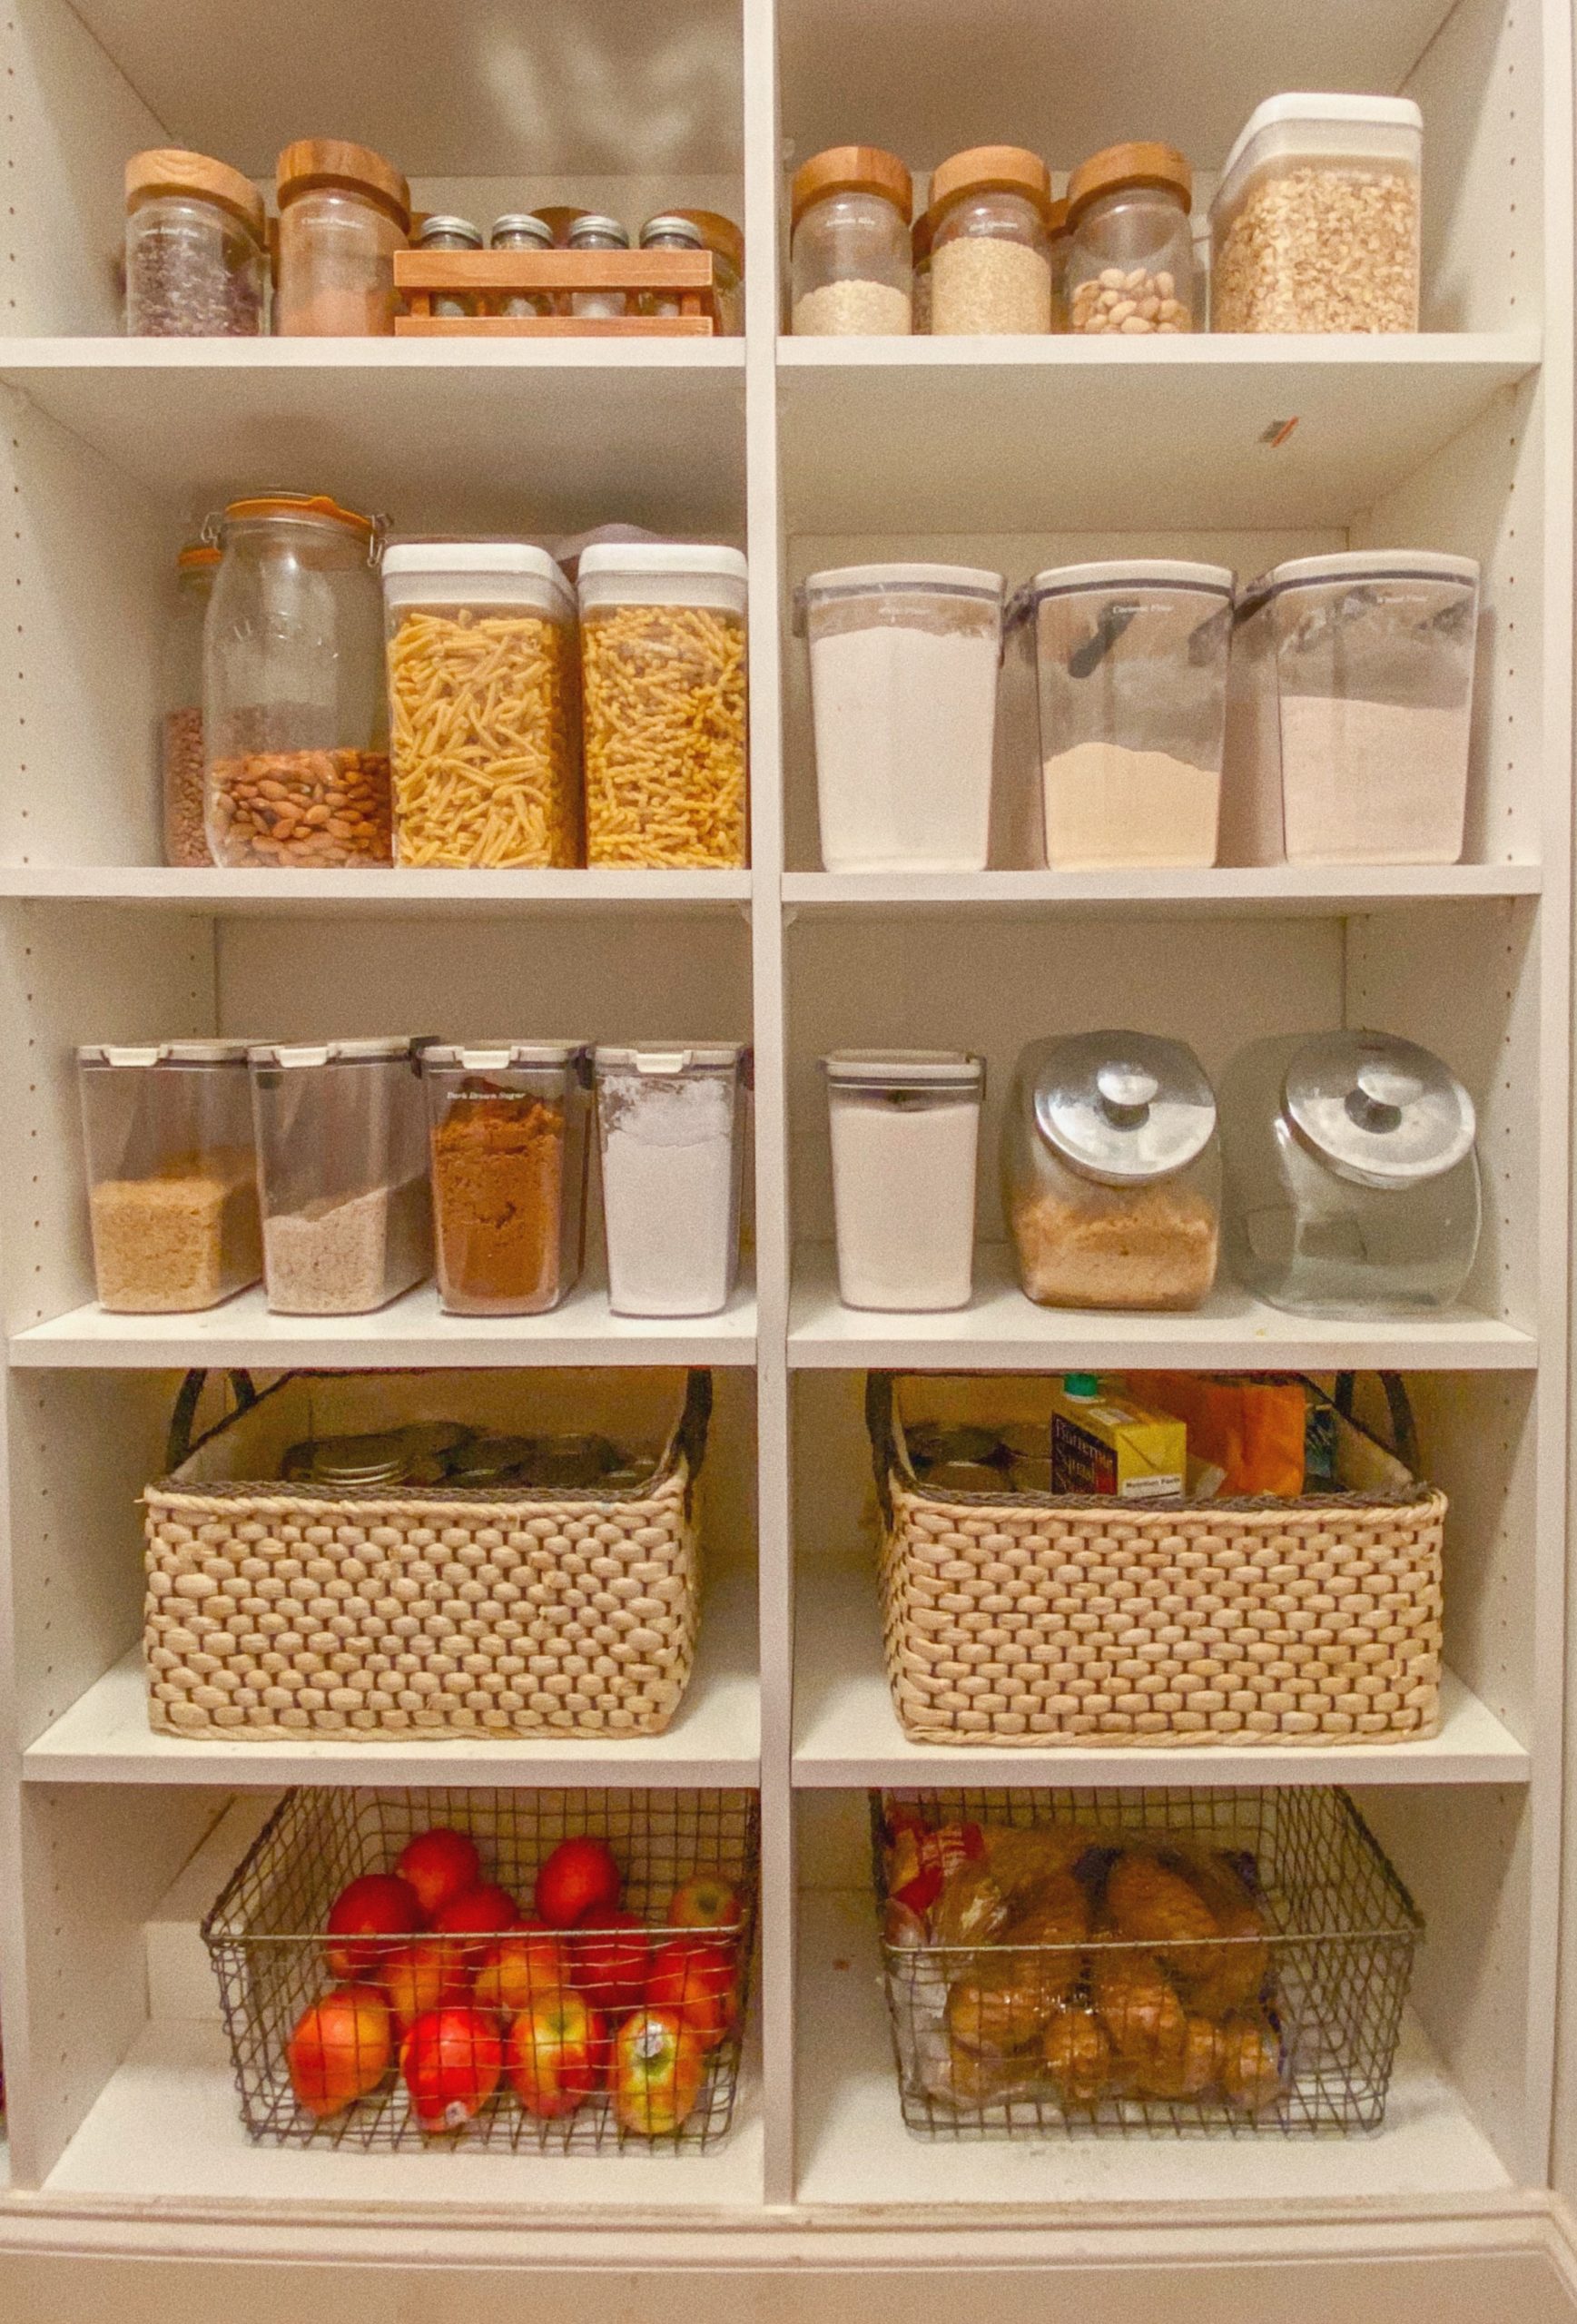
(431, 434)
(166, 2128)
(855, 2153)
(1067, 434)
(1001, 1330)
(714, 1739)
(412, 1331)
(333, 893)
(1270, 890)
(847, 1735)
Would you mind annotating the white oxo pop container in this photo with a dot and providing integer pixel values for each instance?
(668, 1125)
(1316, 225)
(1351, 710)
(903, 690)
(905, 1129)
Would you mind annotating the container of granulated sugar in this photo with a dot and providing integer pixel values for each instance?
(670, 1121)
(1130, 680)
(906, 1131)
(1351, 710)
(903, 690)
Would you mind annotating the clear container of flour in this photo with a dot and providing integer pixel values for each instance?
(1130, 665)
(903, 691)
(670, 1126)
(906, 1131)
(1351, 710)
(341, 1145)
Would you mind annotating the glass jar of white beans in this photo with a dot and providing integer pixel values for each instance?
(1130, 268)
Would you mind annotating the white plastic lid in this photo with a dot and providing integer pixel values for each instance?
(1368, 565)
(956, 580)
(164, 1053)
(664, 1060)
(384, 1050)
(499, 1057)
(663, 573)
(905, 1070)
(1135, 573)
(1329, 105)
(494, 572)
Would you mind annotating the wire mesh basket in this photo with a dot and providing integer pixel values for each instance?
(265, 1937)
(1181, 1962)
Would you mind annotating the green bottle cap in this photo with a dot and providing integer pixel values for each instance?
(1085, 1386)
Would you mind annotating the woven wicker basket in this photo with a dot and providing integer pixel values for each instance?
(1029, 1618)
(276, 1610)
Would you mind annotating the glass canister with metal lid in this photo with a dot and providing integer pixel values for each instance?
(1111, 1173)
(1352, 1175)
(444, 233)
(294, 708)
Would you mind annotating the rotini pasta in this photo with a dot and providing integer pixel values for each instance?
(664, 737)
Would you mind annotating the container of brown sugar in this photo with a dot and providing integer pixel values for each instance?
(171, 1175)
(1111, 1173)
(508, 1127)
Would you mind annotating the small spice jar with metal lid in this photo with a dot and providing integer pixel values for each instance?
(850, 251)
(667, 231)
(1111, 1174)
(1130, 267)
(1352, 1175)
(443, 232)
(523, 230)
(295, 711)
(723, 237)
(595, 232)
(196, 244)
(990, 264)
(343, 213)
(183, 768)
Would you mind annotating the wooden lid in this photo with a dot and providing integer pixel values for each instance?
(1057, 217)
(559, 220)
(165, 169)
(298, 503)
(920, 237)
(333, 161)
(720, 234)
(851, 169)
(1161, 166)
(991, 169)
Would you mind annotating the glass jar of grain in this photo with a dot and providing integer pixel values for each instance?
(1131, 269)
(991, 265)
(850, 257)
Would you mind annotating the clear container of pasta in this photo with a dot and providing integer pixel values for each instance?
(483, 707)
(662, 640)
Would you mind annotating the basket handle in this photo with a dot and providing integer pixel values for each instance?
(1404, 1427)
(879, 1422)
(188, 1397)
(693, 1421)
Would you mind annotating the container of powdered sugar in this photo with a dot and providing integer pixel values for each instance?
(1352, 710)
(669, 1126)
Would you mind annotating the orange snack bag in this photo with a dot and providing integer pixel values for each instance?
(1253, 1429)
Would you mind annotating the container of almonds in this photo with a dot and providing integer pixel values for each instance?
(483, 706)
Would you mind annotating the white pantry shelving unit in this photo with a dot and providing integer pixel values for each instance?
(123, 2138)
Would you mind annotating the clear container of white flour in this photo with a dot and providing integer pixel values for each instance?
(905, 1129)
(1352, 710)
(903, 688)
(669, 1123)
(1130, 680)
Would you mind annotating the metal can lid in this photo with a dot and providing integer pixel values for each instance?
(595, 228)
(669, 227)
(444, 229)
(520, 226)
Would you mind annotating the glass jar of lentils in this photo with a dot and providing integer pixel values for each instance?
(1130, 268)
(195, 243)
(990, 264)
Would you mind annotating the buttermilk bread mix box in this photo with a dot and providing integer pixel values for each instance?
(1103, 1441)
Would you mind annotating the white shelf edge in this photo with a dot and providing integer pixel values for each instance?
(847, 1735)
(22, 355)
(412, 1331)
(1270, 888)
(373, 891)
(714, 1739)
(1002, 1331)
(1519, 351)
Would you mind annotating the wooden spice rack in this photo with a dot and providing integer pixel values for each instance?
(494, 276)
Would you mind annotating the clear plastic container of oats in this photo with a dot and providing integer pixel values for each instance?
(1315, 226)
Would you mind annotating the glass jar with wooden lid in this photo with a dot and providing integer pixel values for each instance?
(344, 211)
(991, 265)
(850, 212)
(195, 244)
(723, 238)
(1130, 267)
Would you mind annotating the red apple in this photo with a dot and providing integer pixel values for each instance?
(521, 1969)
(452, 2061)
(441, 1865)
(556, 2055)
(378, 1905)
(706, 1900)
(656, 2073)
(579, 1881)
(339, 2050)
(699, 1982)
(607, 1960)
(484, 1913)
(425, 1976)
